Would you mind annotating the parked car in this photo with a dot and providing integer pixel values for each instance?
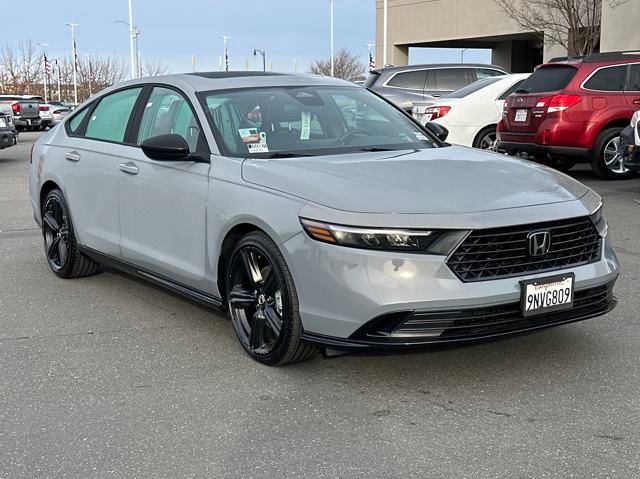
(316, 225)
(58, 113)
(8, 133)
(574, 109)
(47, 118)
(471, 114)
(26, 112)
(630, 142)
(425, 83)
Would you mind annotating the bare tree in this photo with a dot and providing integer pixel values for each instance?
(346, 66)
(152, 68)
(573, 24)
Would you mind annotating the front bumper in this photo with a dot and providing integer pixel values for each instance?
(352, 298)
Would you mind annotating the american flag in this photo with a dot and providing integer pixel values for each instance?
(47, 64)
(372, 62)
(75, 56)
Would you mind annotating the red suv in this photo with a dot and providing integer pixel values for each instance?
(574, 109)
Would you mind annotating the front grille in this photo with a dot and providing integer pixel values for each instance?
(465, 324)
(504, 252)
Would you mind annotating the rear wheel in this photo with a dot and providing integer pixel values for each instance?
(486, 139)
(607, 159)
(60, 244)
(263, 303)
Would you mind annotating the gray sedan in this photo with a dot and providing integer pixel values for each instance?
(318, 214)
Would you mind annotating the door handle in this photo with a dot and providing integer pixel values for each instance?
(636, 101)
(129, 167)
(72, 156)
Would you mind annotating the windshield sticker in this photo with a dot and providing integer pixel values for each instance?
(258, 147)
(249, 135)
(420, 136)
(305, 128)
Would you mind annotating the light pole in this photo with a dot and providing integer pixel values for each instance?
(385, 24)
(75, 61)
(332, 42)
(462, 54)
(136, 71)
(46, 68)
(264, 61)
(132, 40)
(225, 39)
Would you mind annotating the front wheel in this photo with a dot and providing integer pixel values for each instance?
(263, 303)
(608, 161)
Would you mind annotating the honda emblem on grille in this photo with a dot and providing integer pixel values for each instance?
(539, 243)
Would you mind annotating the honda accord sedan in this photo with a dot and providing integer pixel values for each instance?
(317, 214)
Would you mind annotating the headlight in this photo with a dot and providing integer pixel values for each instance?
(596, 215)
(439, 242)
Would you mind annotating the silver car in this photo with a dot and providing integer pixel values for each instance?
(317, 214)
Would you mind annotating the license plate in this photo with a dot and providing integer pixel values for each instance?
(521, 115)
(546, 295)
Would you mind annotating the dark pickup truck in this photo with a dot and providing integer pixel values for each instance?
(8, 133)
(26, 112)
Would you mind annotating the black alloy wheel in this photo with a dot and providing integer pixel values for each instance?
(60, 246)
(263, 303)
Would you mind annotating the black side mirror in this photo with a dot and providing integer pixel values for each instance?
(439, 131)
(169, 147)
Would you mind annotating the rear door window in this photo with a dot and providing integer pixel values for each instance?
(110, 118)
(548, 79)
(487, 73)
(448, 79)
(607, 79)
(413, 80)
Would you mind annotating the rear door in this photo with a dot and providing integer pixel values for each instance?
(526, 107)
(94, 149)
(163, 204)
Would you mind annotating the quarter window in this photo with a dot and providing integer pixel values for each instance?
(634, 78)
(167, 111)
(447, 79)
(487, 73)
(413, 80)
(76, 122)
(110, 118)
(608, 79)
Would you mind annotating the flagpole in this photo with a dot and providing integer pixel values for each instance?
(385, 22)
(75, 62)
(46, 72)
(58, 73)
(225, 39)
(371, 60)
(332, 42)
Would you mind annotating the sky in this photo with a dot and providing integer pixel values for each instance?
(293, 32)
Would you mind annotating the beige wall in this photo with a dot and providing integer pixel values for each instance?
(620, 27)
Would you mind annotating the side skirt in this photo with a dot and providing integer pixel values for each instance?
(129, 268)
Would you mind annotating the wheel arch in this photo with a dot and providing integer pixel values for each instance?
(617, 123)
(45, 189)
(477, 136)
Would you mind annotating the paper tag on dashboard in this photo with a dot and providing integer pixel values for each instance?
(305, 127)
(249, 135)
(258, 147)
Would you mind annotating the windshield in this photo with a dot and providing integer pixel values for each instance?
(473, 87)
(309, 121)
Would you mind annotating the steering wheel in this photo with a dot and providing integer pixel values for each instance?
(351, 134)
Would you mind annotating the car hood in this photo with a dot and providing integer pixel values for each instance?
(439, 180)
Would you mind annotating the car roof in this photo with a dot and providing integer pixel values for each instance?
(440, 65)
(206, 81)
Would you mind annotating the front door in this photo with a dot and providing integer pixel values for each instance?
(163, 204)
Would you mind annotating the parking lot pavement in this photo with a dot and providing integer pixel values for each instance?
(111, 377)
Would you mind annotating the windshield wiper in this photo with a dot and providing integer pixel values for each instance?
(377, 148)
(285, 154)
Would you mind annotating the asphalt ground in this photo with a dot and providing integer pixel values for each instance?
(109, 377)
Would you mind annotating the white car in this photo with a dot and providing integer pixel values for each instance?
(472, 113)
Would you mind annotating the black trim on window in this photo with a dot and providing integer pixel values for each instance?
(133, 125)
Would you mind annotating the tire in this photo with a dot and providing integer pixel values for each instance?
(486, 138)
(563, 163)
(60, 245)
(602, 152)
(263, 303)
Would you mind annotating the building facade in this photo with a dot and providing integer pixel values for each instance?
(483, 24)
